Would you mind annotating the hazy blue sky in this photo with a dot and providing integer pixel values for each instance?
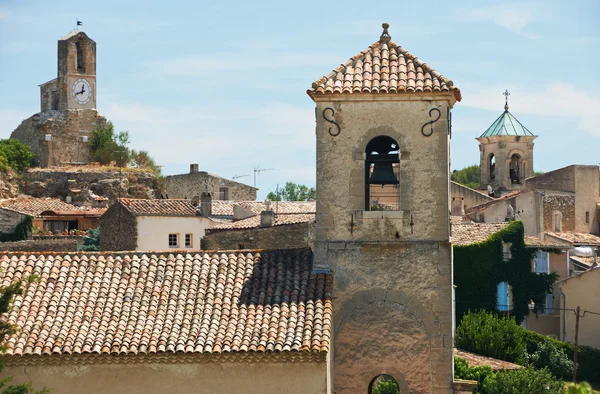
(224, 83)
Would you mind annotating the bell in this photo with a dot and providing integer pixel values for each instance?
(383, 174)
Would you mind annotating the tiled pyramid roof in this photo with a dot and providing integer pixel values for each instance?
(507, 124)
(159, 207)
(141, 304)
(384, 67)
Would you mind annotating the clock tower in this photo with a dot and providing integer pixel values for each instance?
(60, 133)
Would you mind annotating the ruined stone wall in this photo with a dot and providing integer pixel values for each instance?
(470, 197)
(289, 236)
(392, 269)
(54, 244)
(196, 183)
(67, 129)
(563, 203)
(118, 229)
(49, 96)
(56, 183)
(9, 220)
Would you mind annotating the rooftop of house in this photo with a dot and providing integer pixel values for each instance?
(135, 303)
(584, 262)
(577, 238)
(477, 360)
(496, 200)
(254, 221)
(158, 207)
(507, 124)
(467, 233)
(226, 208)
(536, 242)
(34, 206)
(384, 67)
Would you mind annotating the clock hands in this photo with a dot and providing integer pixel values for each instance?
(82, 91)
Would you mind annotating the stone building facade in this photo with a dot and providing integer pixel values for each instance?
(61, 131)
(197, 182)
(393, 308)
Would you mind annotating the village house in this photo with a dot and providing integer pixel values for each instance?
(198, 182)
(205, 322)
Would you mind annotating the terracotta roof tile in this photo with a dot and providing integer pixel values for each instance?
(384, 67)
(467, 233)
(35, 206)
(225, 208)
(158, 207)
(254, 221)
(578, 238)
(544, 243)
(587, 262)
(137, 303)
(477, 360)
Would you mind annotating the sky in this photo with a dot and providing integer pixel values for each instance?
(223, 84)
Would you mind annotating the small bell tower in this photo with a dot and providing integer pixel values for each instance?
(383, 132)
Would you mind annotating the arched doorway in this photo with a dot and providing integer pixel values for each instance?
(384, 384)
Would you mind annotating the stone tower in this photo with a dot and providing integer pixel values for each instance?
(506, 154)
(383, 229)
(61, 131)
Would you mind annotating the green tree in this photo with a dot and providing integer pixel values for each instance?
(293, 192)
(91, 242)
(6, 329)
(499, 337)
(15, 154)
(548, 354)
(385, 385)
(521, 381)
(469, 176)
(108, 147)
(142, 159)
(463, 371)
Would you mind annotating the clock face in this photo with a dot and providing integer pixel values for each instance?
(82, 91)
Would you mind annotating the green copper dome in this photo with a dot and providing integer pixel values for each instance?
(507, 124)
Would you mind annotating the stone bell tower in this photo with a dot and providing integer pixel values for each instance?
(383, 229)
(506, 154)
(60, 133)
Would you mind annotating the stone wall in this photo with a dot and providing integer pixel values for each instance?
(562, 179)
(56, 183)
(9, 220)
(468, 197)
(118, 229)
(54, 244)
(565, 204)
(196, 183)
(290, 236)
(49, 96)
(67, 129)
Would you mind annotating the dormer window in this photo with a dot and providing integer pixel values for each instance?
(382, 172)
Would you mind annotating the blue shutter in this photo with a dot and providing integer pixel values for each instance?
(502, 296)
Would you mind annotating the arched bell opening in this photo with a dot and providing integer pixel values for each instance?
(382, 174)
(515, 169)
(492, 166)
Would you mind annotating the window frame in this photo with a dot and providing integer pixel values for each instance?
(189, 237)
(176, 235)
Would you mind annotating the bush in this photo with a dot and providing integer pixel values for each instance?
(548, 354)
(385, 385)
(581, 388)
(520, 381)
(106, 147)
(91, 242)
(486, 334)
(15, 154)
(463, 371)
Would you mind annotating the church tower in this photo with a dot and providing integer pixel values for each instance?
(60, 133)
(506, 154)
(383, 228)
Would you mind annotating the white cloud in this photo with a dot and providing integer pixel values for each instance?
(511, 16)
(559, 99)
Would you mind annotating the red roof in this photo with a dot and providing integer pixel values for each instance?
(158, 207)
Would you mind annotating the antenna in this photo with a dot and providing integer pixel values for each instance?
(259, 170)
(239, 176)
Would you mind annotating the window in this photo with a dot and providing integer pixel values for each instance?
(541, 263)
(382, 172)
(241, 246)
(587, 216)
(557, 221)
(504, 299)
(173, 240)
(223, 193)
(506, 255)
(188, 240)
(547, 309)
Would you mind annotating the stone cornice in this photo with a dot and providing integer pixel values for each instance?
(166, 358)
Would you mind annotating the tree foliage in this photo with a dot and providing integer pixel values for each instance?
(520, 381)
(463, 371)
(15, 154)
(469, 176)
(108, 147)
(6, 329)
(142, 159)
(293, 192)
(548, 354)
(498, 337)
(91, 242)
(385, 385)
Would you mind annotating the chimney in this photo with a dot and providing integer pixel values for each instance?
(196, 201)
(457, 206)
(206, 205)
(193, 168)
(267, 218)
